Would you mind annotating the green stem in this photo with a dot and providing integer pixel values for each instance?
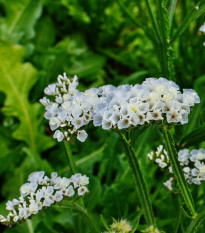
(141, 186)
(30, 226)
(173, 156)
(70, 157)
(164, 45)
(81, 206)
(84, 212)
(195, 223)
(154, 25)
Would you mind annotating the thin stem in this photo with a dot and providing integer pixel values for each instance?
(83, 211)
(92, 222)
(153, 21)
(30, 226)
(70, 158)
(81, 206)
(165, 66)
(173, 156)
(141, 186)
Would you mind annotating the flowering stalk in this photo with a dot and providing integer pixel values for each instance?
(81, 206)
(82, 210)
(173, 156)
(141, 186)
(70, 157)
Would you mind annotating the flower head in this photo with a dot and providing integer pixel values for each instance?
(41, 192)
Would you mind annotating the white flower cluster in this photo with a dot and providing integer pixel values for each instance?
(68, 109)
(114, 107)
(160, 156)
(121, 226)
(202, 29)
(42, 191)
(192, 162)
(153, 100)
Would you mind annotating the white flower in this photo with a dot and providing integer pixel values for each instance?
(58, 135)
(69, 191)
(82, 135)
(51, 90)
(58, 196)
(25, 189)
(64, 183)
(35, 177)
(33, 208)
(82, 190)
(168, 183)
(202, 28)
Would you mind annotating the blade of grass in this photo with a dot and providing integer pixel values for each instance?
(171, 11)
(192, 16)
(154, 25)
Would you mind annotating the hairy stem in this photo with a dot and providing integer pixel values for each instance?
(173, 156)
(141, 186)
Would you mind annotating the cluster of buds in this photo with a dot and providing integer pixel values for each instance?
(121, 226)
(151, 229)
(155, 100)
(40, 192)
(192, 162)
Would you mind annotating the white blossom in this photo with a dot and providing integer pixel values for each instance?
(192, 162)
(202, 28)
(155, 100)
(42, 191)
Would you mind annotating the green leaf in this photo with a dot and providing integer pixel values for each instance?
(87, 65)
(192, 16)
(45, 33)
(196, 136)
(16, 82)
(95, 191)
(171, 11)
(20, 18)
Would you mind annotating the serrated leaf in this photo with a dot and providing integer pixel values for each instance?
(20, 18)
(16, 82)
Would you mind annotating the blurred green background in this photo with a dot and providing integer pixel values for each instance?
(102, 42)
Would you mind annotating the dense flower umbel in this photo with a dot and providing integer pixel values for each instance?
(153, 100)
(192, 162)
(114, 107)
(121, 226)
(42, 191)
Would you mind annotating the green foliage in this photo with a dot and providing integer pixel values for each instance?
(103, 42)
(16, 81)
(20, 19)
